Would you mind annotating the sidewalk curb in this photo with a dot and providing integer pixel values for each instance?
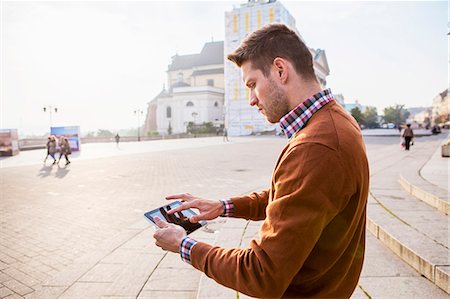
(430, 199)
(437, 274)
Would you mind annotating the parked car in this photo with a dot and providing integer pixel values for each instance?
(388, 126)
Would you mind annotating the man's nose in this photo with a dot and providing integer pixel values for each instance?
(253, 98)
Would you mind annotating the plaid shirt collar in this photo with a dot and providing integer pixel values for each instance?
(297, 118)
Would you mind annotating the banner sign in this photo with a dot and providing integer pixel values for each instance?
(9, 142)
(71, 132)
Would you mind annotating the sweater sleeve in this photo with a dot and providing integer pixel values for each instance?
(308, 185)
(251, 206)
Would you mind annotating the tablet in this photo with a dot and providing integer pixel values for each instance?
(179, 218)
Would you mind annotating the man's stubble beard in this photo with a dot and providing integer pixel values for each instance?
(276, 105)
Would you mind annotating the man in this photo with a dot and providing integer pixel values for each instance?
(408, 135)
(313, 237)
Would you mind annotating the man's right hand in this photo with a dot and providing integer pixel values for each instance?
(209, 209)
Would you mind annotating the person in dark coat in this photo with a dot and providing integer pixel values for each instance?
(408, 134)
(51, 148)
(65, 149)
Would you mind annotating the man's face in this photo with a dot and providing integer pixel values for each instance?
(265, 93)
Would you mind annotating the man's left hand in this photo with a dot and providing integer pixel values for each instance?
(168, 236)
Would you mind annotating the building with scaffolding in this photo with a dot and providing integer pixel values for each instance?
(240, 117)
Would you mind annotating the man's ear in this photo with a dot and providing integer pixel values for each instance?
(281, 67)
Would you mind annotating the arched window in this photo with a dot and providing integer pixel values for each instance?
(169, 112)
(216, 104)
(189, 104)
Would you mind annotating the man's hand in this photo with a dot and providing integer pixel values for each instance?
(209, 209)
(168, 236)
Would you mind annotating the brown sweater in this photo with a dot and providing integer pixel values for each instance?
(408, 132)
(312, 240)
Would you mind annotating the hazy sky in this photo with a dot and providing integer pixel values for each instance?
(99, 61)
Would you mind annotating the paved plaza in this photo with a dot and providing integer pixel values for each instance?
(79, 231)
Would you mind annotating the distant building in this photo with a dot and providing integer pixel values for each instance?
(356, 104)
(440, 108)
(420, 116)
(240, 117)
(194, 92)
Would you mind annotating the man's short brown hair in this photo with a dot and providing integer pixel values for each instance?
(272, 41)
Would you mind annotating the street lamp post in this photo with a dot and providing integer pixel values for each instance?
(139, 112)
(50, 110)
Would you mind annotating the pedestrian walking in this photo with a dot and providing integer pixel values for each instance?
(51, 148)
(225, 135)
(117, 137)
(311, 244)
(65, 149)
(408, 136)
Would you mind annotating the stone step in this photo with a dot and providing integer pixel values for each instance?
(413, 230)
(423, 191)
(415, 184)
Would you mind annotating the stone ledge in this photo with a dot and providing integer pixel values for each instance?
(438, 274)
(429, 198)
(442, 277)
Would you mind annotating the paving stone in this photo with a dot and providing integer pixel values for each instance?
(3, 266)
(400, 287)
(208, 288)
(121, 238)
(359, 294)
(164, 279)
(46, 292)
(85, 290)
(14, 296)
(229, 238)
(143, 242)
(4, 291)
(17, 287)
(69, 275)
(167, 294)
(130, 281)
(6, 259)
(102, 273)
(21, 277)
(173, 261)
(123, 256)
(4, 277)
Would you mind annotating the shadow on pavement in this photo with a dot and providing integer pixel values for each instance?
(61, 172)
(45, 171)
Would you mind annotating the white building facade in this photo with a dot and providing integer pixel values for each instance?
(240, 117)
(441, 110)
(195, 93)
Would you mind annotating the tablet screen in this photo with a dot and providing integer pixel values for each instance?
(179, 218)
